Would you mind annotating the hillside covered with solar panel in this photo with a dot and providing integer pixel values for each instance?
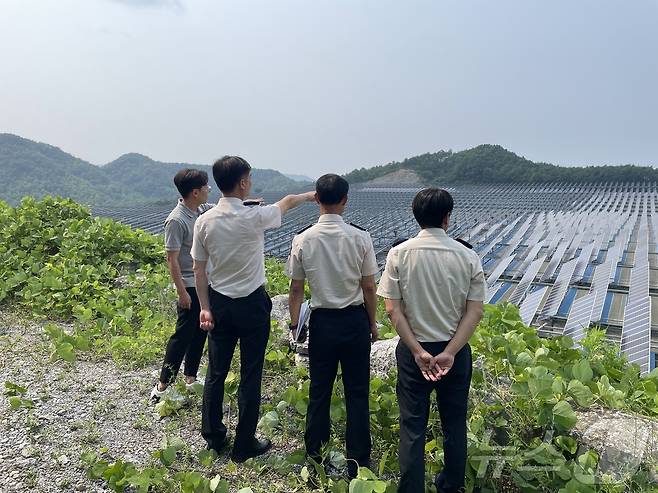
(571, 246)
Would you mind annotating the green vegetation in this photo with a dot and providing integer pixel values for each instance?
(61, 265)
(36, 169)
(494, 164)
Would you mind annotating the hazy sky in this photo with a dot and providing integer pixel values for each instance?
(315, 86)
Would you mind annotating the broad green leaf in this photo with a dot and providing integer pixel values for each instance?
(580, 393)
(218, 485)
(207, 457)
(365, 473)
(168, 456)
(567, 443)
(360, 486)
(269, 421)
(379, 486)
(582, 371)
(563, 416)
(65, 351)
(15, 402)
(14, 389)
(523, 359)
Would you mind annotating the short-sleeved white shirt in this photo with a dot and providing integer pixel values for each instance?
(434, 276)
(231, 237)
(333, 256)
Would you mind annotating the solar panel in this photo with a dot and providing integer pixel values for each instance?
(636, 333)
(498, 238)
(581, 264)
(580, 316)
(498, 271)
(515, 240)
(555, 261)
(523, 285)
(550, 220)
(473, 232)
(529, 306)
(530, 256)
(600, 283)
(491, 292)
(559, 289)
(580, 238)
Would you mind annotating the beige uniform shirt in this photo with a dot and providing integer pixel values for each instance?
(231, 237)
(434, 276)
(333, 256)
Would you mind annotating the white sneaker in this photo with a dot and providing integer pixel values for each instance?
(157, 394)
(197, 384)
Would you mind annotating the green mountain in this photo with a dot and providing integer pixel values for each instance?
(493, 164)
(36, 169)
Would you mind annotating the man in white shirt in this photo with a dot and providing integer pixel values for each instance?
(434, 290)
(338, 259)
(236, 307)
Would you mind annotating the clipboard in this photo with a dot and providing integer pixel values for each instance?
(302, 324)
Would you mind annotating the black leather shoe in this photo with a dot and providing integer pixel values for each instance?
(258, 447)
(217, 445)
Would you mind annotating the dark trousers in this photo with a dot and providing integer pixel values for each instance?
(414, 398)
(339, 336)
(186, 342)
(246, 320)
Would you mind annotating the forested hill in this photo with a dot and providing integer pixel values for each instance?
(493, 164)
(37, 169)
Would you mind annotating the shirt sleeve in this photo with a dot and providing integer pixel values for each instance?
(389, 284)
(478, 288)
(173, 235)
(294, 266)
(198, 250)
(369, 267)
(269, 217)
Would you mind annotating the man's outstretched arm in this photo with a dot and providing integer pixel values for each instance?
(291, 201)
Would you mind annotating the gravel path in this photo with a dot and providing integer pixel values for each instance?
(83, 406)
(94, 405)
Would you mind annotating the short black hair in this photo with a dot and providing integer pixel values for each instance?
(228, 171)
(331, 189)
(431, 206)
(187, 180)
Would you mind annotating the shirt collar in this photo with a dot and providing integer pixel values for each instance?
(428, 232)
(232, 202)
(330, 218)
(186, 210)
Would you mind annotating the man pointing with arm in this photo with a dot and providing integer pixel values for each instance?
(236, 307)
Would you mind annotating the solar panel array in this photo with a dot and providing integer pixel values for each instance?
(564, 253)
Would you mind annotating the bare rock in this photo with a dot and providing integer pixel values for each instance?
(622, 440)
(280, 311)
(382, 356)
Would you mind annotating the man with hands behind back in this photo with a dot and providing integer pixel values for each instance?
(434, 290)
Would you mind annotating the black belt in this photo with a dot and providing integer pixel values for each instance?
(347, 309)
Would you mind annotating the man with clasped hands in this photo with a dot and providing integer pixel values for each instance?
(434, 290)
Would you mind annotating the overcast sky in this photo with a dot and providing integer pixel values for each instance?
(313, 86)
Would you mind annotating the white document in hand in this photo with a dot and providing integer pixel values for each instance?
(304, 317)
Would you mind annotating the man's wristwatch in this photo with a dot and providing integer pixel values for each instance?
(292, 327)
